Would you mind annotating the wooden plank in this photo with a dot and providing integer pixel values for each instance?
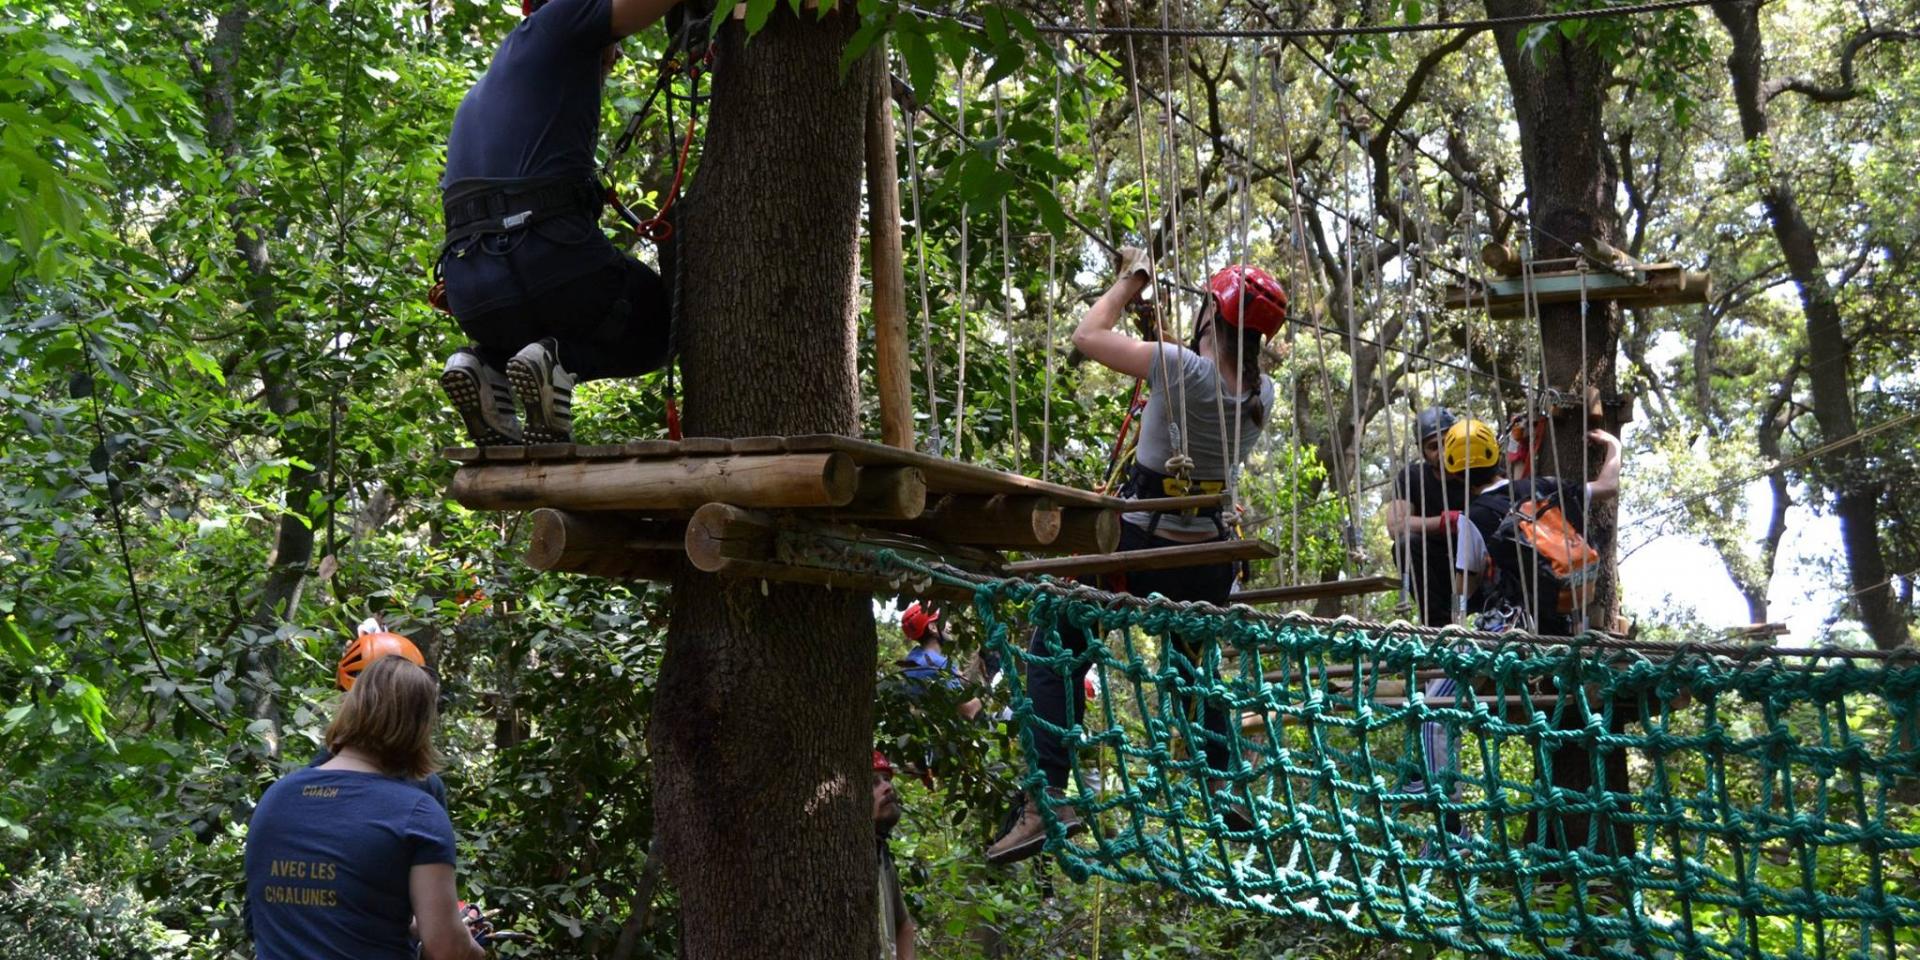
(1155, 558)
(505, 453)
(760, 445)
(950, 476)
(1522, 705)
(705, 446)
(461, 454)
(1660, 284)
(1357, 586)
(887, 264)
(776, 481)
(550, 451)
(650, 449)
(598, 451)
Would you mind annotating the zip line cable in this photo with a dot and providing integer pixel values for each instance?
(1290, 33)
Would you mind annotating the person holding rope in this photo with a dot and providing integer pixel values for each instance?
(547, 298)
(1420, 517)
(351, 859)
(1207, 405)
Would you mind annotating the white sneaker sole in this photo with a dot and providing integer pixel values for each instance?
(529, 385)
(464, 390)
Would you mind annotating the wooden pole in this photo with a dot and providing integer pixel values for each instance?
(1088, 531)
(729, 541)
(889, 276)
(1008, 522)
(1155, 558)
(771, 481)
(605, 545)
(886, 493)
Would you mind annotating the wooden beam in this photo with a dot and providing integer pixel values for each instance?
(1357, 586)
(1206, 501)
(889, 276)
(1155, 558)
(1656, 284)
(729, 541)
(1088, 531)
(1004, 522)
(885, 493)
(605, 545)
(771, 481)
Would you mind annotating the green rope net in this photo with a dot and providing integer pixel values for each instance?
(1489, 793)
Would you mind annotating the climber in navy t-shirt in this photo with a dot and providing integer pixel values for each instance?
(350, 859)
(548, 300)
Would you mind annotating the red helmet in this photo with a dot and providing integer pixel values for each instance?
(915, 622)
(527, 7)
(881, 764)
(1249, 297)
(368, 647)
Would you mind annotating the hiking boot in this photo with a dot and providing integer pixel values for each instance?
(482, 397)
(1029, 833)
(545, 390)
(1234, 813)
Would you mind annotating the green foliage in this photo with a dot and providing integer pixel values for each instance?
(215, 347)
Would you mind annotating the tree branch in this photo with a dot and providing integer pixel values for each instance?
(1848, 89)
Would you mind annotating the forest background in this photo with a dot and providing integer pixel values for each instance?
(222, 428)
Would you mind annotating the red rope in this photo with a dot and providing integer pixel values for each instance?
(1120, 442)
(656, 229)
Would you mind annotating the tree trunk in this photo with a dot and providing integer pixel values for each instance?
(1856, 493)
(764, 719)
(1558, 99)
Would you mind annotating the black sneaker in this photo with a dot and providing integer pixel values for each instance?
(545, 390)
(482, 397)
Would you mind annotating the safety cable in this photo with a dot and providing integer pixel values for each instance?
(1275, 33)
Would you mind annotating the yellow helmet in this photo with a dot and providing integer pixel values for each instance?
(1469, 444)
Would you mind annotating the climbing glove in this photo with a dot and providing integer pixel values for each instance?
(1136, 260)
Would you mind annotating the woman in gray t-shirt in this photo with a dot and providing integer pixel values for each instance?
(1213, 391)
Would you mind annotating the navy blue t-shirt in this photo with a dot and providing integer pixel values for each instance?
(329, 853)
(534, 115)
(431, 783)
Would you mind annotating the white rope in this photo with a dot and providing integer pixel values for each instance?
(1006, 291)
(1053, 250)
(966, 212)
(937, 447)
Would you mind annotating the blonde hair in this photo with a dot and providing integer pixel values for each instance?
(389, 715)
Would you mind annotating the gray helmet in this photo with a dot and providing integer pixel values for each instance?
(1432, 420)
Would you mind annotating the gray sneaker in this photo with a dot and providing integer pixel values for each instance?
(483, 398)
(545, 390)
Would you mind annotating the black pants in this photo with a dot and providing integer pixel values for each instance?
(1426, 572)
(613, 322)
(1061, 699)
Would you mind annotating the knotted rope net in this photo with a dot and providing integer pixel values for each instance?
(1505, 795)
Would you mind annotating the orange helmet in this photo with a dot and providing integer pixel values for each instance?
(368, 647)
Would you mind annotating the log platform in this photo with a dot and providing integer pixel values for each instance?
(809, 509)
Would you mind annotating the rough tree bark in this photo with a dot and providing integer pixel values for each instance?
(1559, 101)
(763, 720)
(1856, 492)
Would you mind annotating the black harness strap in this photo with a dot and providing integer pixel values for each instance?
(475, 208)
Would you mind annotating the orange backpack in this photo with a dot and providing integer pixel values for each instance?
(1554, 558)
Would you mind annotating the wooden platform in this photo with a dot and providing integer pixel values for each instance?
(812, 509)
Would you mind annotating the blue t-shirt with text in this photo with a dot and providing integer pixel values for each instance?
(329, 853)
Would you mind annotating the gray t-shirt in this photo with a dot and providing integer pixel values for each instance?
(1177, 375)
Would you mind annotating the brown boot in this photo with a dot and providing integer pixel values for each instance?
(1029, 833)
